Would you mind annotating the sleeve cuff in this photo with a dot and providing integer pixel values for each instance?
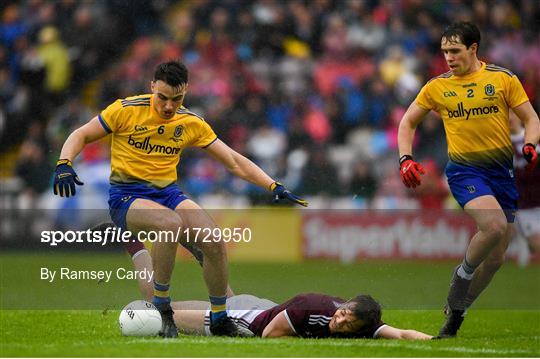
(289, 321)
(214, 140)
(104, 124)
(423, 107)
(520, 103)
(376, 334)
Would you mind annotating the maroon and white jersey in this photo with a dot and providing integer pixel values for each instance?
(528, 183)
(308, 315)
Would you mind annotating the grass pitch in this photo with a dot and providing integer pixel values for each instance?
(489, 333)
(79, 318)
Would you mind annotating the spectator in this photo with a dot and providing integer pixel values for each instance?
(32, 164)
(266, 147)
(304, 72)
(363, 183)
(434, 191)
(319, 175)
(55, 57)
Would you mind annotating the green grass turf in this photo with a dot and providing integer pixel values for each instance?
(78, 318)
(489, 333)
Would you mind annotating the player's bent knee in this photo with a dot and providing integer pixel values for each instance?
(170, 222)
(496, 229)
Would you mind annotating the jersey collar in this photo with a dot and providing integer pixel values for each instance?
(472, 74)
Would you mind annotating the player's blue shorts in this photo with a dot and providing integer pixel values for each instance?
(121, 196)
(468, 183)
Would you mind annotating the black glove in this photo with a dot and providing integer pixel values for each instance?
(280, 192)
(65, 179)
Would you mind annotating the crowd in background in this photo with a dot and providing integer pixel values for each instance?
(312, 91)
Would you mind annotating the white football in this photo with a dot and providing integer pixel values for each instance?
(140, 318)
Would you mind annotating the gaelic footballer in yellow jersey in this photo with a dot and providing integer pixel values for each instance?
(474, 109)
(473, 100)
(149, 133)
(139, 132)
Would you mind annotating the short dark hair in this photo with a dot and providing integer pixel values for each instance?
(468, 33)
(366, 309)
(173, 73)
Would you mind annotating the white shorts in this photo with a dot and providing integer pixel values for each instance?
(242, 309)
(528, 221)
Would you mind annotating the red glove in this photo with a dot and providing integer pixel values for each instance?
(410, 171)
(529, 153)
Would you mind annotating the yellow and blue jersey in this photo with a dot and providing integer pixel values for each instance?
(146, 148)
(474, 109)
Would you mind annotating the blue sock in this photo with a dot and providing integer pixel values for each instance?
(161, 294)
(218, 307)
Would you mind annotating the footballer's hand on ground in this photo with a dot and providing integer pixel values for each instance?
(410, 171)
(280, 192)
(530, 155)
(65, 179)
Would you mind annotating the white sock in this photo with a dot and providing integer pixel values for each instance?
(461, 273)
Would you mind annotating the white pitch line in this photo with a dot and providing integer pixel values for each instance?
(311, 343)
(379, 343)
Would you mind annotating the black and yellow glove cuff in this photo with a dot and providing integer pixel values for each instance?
(64, 162)
(274, 185)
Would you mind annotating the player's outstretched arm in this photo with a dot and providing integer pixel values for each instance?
(407, 127)
(89, 132)
(65, 177)
(531, 123)
(409, 170)
(242, 167)
(278, 327)
(388, 332)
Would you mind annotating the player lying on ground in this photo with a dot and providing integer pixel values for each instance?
(305, 315)
(473, 100)
(314, 315)
(149, 133)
